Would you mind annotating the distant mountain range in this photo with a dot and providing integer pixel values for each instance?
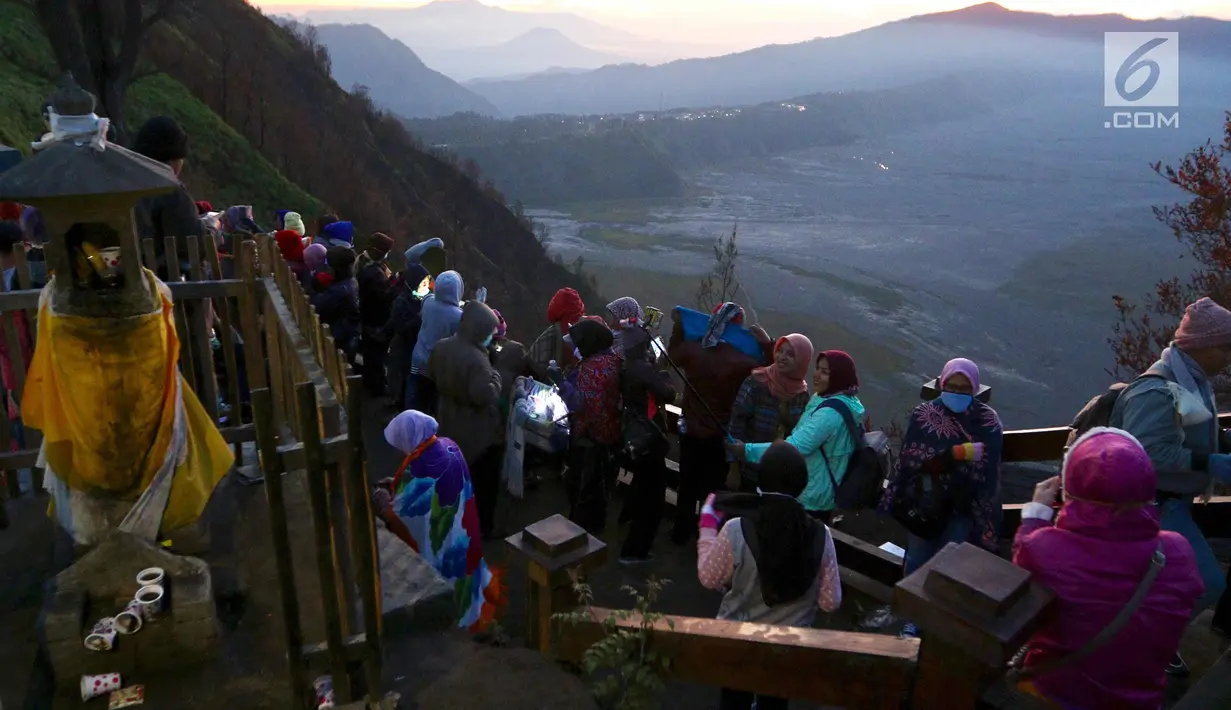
(459, 24)
(396, 78)
(538, 50)
(985, 38)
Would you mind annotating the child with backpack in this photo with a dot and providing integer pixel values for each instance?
(775, 563)
(822, 435)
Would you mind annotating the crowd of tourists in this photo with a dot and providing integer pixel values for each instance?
(1113, 535)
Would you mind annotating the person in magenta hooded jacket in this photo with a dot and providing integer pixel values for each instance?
(1094, 558)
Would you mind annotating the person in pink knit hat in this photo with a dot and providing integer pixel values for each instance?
(1171, 410)
(1112, 568)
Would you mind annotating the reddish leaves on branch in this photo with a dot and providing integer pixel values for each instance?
(1203, 225)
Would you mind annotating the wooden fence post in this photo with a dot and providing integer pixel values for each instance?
(271, 464)
(326, 553)
(975, 610)
(553, 547)
(363, 541)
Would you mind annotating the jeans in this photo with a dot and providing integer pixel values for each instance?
(1176, 515)
(739, 700)
(703, 470)
(919, 551)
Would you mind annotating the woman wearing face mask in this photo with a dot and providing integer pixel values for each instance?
(946, 486)
(821, 434)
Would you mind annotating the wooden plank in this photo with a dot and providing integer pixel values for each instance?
(326, 554)
(275, 498)
(363, 541)
(13, 340)
(195, 290)
(181, 320)
(855, 670)
(249, 305)
(149, 254)
(222, 307)
(199, 322)
(316, 655)
(862, 584)
(1214, 517)
(866, 559)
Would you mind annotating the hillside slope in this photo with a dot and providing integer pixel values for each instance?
(268, 124)
(396, 77)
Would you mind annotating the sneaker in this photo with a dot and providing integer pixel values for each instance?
(909, 631)
(629, 560)
(1177, 668)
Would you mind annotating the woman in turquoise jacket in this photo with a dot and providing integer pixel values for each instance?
(821, 435)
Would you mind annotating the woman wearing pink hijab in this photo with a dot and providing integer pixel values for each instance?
(769, 404)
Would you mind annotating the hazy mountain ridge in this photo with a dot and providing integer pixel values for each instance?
(397, 79)
(535, 51)
(895, 54)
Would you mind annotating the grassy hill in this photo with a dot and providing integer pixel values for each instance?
(268, 126)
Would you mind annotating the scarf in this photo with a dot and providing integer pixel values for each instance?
(723, 315)
(1182, 368)
(786, 384)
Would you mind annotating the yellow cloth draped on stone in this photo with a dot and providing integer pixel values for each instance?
(103, 392)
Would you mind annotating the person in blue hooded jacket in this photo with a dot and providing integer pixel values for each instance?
(441, 314)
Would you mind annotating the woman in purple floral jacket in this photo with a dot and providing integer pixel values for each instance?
(946, 486)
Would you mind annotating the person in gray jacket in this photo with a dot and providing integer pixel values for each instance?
(468, 407)
(1171, 410)
(441, 314)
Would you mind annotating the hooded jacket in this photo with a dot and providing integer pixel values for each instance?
(1093, 559)
(468, 408)
(402, 330)
(441, 315)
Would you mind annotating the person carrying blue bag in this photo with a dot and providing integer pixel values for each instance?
(714, 359)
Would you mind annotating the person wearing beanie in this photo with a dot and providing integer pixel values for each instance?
(292, 250)
(338, 303)
(340, 234)
(294, 222)
(169, 215)
(1105, 547)
(1171, 410)
(563, 311)
(376, 298)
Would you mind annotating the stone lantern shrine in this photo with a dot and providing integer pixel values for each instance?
(119, 424)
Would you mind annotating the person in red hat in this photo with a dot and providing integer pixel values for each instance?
(563, 312)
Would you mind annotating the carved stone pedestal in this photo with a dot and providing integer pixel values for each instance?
(100, 584)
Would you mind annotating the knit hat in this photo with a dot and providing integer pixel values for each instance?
(162, 139)
(340, 234)
(1205, 325)
(10, 211)
(565, 308)
(381, 242)
(204, 208)
(314, 256)
(294, 222)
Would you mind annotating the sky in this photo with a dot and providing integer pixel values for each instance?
(763, 21)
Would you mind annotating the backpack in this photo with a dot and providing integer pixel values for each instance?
(861, 483)
(1097, 412)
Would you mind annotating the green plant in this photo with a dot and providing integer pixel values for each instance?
(626, 672)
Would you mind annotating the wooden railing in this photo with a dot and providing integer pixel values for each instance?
(276, 355)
